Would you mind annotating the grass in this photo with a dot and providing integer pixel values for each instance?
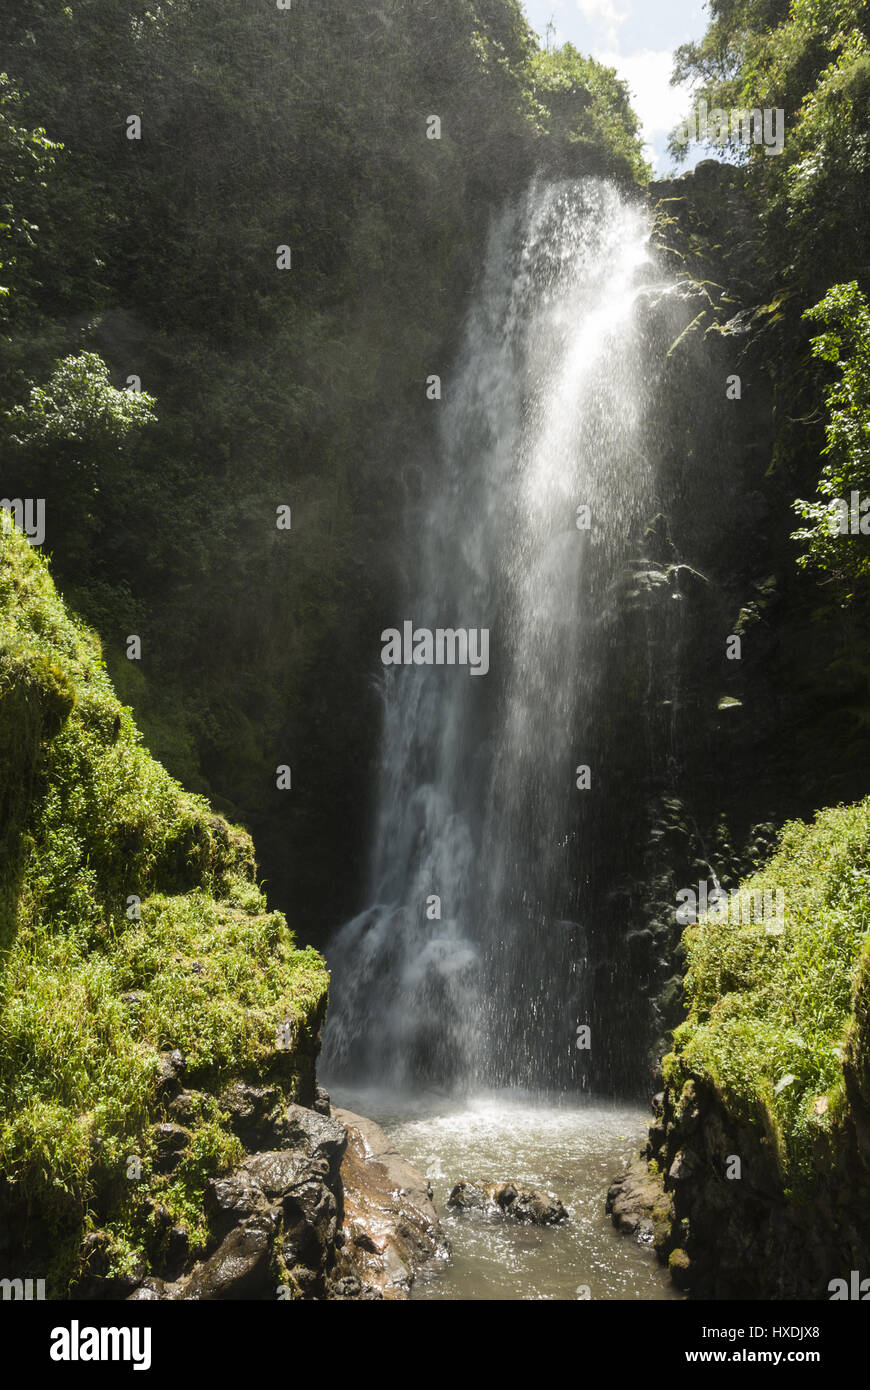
(772, 1017)
(91, 993)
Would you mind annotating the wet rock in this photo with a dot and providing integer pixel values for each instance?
(291, 1192)
(151, 1290)
(390, 1225)
(310, 1224)
(262, 1120)
(314, 1134)
(727, 1231)
(321, 1101)
(307, 1283)
(638, 1205)
(521, 1203)
(275, 1170)
(297, 1190)
(239, 1268)
(231, 1200)
(346, 1288)
(172, 1140)
(469, 1196)
(249, 1109)
(331, 1211)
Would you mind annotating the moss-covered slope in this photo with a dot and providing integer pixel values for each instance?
(131, 925)
(772, 1068)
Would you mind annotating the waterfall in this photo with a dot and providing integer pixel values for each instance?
(478, 802)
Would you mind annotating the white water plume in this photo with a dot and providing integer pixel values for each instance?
(478, 802)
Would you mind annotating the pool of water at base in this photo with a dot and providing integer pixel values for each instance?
(574, 1150)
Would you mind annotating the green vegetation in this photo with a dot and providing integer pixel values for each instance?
(586, 112)
(154, 258)
(770, 1015)
(91, 994)
(811, 254)
(157, 258)
(778, 249)
(833, 543)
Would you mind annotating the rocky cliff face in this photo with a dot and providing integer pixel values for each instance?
(320, 1208)
(162, 1134)
(748, 1237)
(755, 1182)
(389, 1225)
(743, 1238)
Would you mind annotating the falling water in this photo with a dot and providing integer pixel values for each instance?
(479, 803)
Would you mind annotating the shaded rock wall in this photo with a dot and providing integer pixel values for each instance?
(333, 1213)
(744, 1236)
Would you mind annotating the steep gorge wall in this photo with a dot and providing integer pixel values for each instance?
(727, 749)
(303, 387)
(755, 1182)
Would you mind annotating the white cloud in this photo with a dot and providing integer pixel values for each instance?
(604, 17)
(659, 106)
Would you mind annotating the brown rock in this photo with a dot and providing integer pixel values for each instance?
(390, 1225)
(510, 1199)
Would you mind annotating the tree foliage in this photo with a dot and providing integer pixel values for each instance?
(810, 58)
(836, 541)
(156, 257)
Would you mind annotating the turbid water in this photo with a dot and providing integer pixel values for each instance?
(571, 1150)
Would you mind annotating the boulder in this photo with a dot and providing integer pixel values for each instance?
(151, 1290)
(250, 1109)
(321, 1102)
(171, 1142)
(275, 1170)
(233, 1199)
(317, 1136)
(526, 1204)
(295, 1195)
(329, 1211)
(239, 1268)
(390, 1226)
(310, 1224)
(262, 1119)
(638, 1205)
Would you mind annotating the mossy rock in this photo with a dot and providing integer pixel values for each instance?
(132, 925)
(779, 1020)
